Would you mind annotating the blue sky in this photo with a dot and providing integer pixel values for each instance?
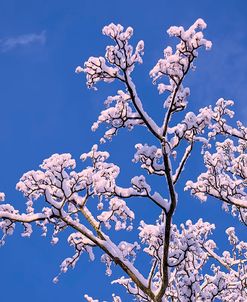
(46, 108)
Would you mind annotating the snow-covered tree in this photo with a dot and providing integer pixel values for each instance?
(184, 261)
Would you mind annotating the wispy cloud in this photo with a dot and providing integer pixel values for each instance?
(22, 40)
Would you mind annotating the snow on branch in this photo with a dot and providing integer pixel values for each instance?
(122, 115)
(88, 202)
(121, 59)
(176, 65)
(122, 56)
(119, 213)
(66, 195)
(150, 158)
(225, 177)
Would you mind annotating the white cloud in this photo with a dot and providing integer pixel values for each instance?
(22, 40)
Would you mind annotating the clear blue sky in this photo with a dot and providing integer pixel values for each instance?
(46, 108)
